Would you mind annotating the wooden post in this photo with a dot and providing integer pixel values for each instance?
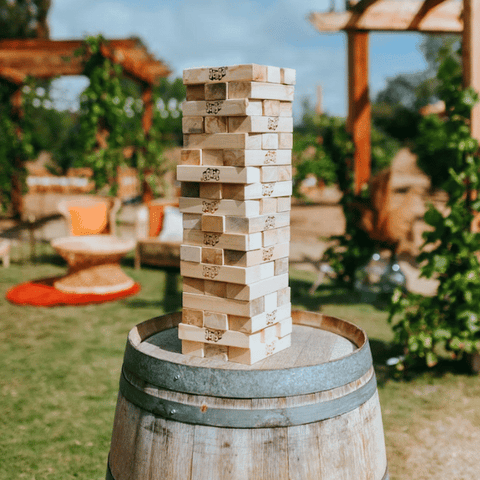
(359, 110)
(147, 121)
(471, 56)
(17, 184)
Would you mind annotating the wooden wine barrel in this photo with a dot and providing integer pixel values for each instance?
(308, 412)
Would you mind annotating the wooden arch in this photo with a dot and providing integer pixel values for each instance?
(427, 16)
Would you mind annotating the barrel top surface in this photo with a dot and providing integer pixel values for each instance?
(326, 353)
(310, 346)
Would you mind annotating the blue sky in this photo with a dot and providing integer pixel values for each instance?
(190, 33)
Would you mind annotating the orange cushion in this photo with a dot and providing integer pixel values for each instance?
(88, 220)
(155, 215)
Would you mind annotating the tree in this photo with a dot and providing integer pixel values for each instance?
(24, 18)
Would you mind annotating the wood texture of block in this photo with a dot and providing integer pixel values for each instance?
(213, 256)
(273, 75)
(268, 205)
(223, 108)
(195, 93)
(275, 173)
(258, 289)
(286, 109)
(219, 207)
(215, 289)
(283, 296)
(219, 352)
(237, 275)
(217, 321)
(194, 285)
(284, 204)
(195, 349)
(192, 221)
(263, 124)
(270, 301)
(285, 141)
(258, 322)
(216, 91)
(238, 258)
(256, 224)
(202, 173)
(250, 356)
(233, 241)
(190, 253)
(269, 140)
(281, 265)
(287, 76)
(191, 157)
(245, 158)
(223, 305)
(212, 157)
(215, 125)
(192, 125)
(213, 223)
(211, 190)
(192, 317)
(260, 91)
(277, 235)
(249, 73)
(271, 107)
(256, 191)
(220, 141)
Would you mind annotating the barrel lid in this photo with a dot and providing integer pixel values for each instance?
(326, 353)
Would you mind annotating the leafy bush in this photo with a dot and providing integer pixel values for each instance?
(451, 319)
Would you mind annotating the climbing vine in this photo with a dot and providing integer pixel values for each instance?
(450, 320)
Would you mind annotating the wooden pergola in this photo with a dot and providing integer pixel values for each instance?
(426, 16)
(40, 58)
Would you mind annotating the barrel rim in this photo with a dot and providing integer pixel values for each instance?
(243, 383)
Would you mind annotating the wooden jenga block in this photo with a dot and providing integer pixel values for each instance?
(220, 207)
(218, 321)
(223, 108)
(256, 224)
(258, 322)
(268, 205)
(224, 305)
(214, 289)
(269, 141)
(256, 191)
(213, 223)
(273, 74)
(285, 141)
(251, 141)
(193, 285)
(251, 72)
(190, 253)
(277, 235)
(219, 352)
(258, 289)
(286, 109)
(271, 107)
(268, 334)
(245, 158)
(284, 204)
(192, 221)
(237, 275)
(213, 256)
(216, 91)
(192, 125)
(195, 93)
(260, 91)
(212, 157)
(191, 157)
(190, 189)
(192, 317)
(281, 265)
(236, 258)
(196, 349)
(283, 328)
(287, 76)
(270, 302)
(211, 190)
(275, 173)
(215, 125)
(250, 356)
(243, 242)
(283, 296)
(202, 173)
(259, 124)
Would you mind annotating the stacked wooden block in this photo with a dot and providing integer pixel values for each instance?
(236, 179)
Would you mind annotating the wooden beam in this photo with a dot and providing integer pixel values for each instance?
(147, 117)
(390, 15)
(471, 56)
(12, 75)
(359, 110)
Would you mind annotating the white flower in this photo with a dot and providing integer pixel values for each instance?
(40, 91)
(26, 89)
(36, 102)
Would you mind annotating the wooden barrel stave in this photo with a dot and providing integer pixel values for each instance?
(348, 446)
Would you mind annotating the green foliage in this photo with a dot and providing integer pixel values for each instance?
(449, 320)
(23, 18)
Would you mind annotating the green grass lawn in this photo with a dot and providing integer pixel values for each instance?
(61, 366)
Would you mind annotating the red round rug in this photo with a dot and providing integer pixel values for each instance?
(42, 293)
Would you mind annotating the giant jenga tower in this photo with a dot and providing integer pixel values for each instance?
(236, 179)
